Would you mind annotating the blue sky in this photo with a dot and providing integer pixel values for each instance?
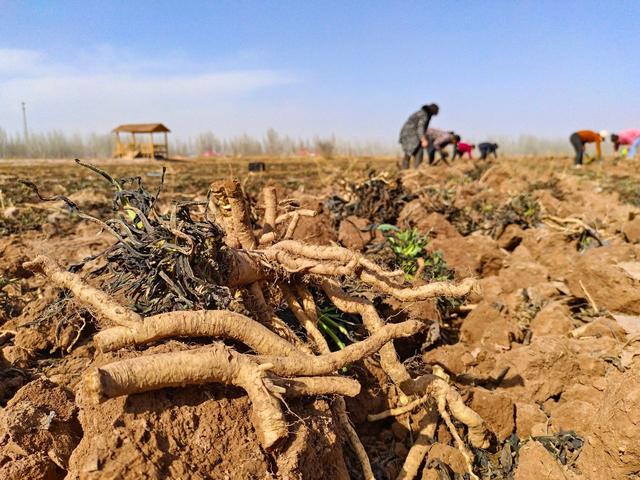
(354, 69)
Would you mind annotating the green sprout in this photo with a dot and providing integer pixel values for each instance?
(408, 245)
(333, 324)
(6, 281)
(436, 268)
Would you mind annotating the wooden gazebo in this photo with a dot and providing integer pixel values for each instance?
(142, 145)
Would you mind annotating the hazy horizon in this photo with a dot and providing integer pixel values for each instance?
(355, 70)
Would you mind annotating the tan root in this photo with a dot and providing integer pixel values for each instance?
(239, 214)
(221, 211)
(212, 364)
(305, 320)
(428, 387)
(396, 412)
(308, 317)
(98, 300)
(371, 319)
(203, 323)
(286, 359)
(297, 257)
(421, 446)
(267, 316)
(301, 212)
(331, 362)
(442, 391)
(424, 292)
(270, 211)
(311, 386)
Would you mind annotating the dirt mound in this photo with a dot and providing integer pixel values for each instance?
(198, 433)
(38, 432)
(610, 286)
(613, 444)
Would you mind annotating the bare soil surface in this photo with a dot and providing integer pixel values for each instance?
(546, 351)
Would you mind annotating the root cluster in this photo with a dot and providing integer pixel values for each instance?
(257, 263)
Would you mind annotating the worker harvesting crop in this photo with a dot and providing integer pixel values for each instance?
(413, 135)
(580, 138)
(461, 148)
(487, 148)
(629, 137)
(438, 141)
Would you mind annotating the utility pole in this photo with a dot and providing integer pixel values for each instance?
(24, 122)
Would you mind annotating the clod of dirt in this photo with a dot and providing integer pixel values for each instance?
(572, 415)
(545, 250)
(612, 450)
(455, 359)
(631, 268)
(497, 409)
(38, 432)
(15, 356)
(489, 327)
(544, 368)
(13, 252)
(423, 310)
(511, 237)
(601, 327)
(530, 420)
(553, 319)
(517, 274)
(316, 230)
(415, 215)
(356, 233)
(631, 229)
(450, 456)
(631, 323)
(609, 285)
(536, 462)
(470, 255)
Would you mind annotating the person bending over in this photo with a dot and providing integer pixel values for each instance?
(629, 137)
(413, 135)
(461, 148)
(580, 138)
(487, 148)
(438, 140)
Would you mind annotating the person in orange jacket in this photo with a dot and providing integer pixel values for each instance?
(580, 138)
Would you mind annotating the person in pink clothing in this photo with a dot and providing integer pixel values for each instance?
(627, 137)
(462, 148)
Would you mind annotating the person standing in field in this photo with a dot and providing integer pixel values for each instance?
(438, 140)
(413, 135)
(580, 138)
(627, 137)
(487, 148)
(461, 148)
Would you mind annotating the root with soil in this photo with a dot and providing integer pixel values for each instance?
(242, 268)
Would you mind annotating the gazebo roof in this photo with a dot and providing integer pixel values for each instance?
(141, 128)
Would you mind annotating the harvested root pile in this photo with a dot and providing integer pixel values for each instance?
(444, 201)
(377, 198)
(484, 217)
(522, 210)
(209, 273)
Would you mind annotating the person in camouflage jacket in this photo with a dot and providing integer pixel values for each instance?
(413, 138)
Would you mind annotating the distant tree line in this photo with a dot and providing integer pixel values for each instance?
(56, 144)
